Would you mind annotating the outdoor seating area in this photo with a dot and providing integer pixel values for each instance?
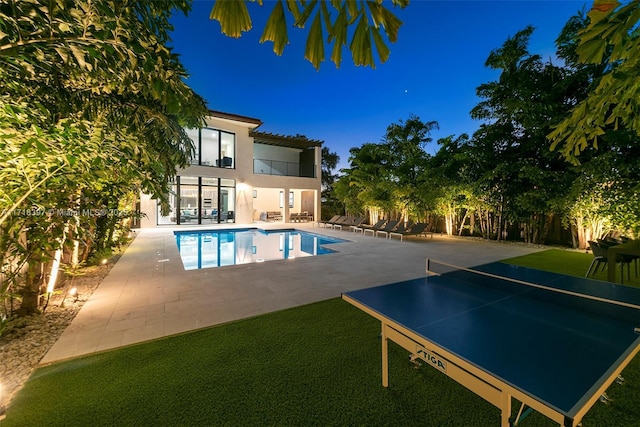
(300, 217)
(385, 227)
(609, 253)
(273, 216)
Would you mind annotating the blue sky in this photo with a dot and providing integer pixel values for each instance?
(433, 71)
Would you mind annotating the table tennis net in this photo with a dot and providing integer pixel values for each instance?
(478, 278)
(437, 267)
(551, 293)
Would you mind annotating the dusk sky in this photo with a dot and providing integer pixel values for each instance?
(433, 71)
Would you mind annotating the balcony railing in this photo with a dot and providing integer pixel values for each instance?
(276, 167)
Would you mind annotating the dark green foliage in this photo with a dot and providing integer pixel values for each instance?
(505, 182)
(92, 109)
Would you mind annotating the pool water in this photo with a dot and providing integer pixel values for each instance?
(219, 248)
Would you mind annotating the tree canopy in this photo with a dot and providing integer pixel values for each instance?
(505, 181)
(611, 38)
(93, 106)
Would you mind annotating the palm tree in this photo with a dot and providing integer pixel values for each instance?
(335, 17)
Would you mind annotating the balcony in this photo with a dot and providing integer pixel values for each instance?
(276, 167)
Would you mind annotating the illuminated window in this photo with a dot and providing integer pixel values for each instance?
(213, 147)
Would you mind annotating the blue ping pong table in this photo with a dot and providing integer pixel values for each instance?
(553, 342)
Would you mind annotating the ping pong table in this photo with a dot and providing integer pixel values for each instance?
(553, 342)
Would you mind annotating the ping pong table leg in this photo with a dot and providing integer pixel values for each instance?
(385, 358)
(506, 410)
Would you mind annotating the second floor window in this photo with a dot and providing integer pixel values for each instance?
(213, 147)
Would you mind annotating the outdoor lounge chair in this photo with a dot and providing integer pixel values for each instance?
(356, 223)
(352, 221)
(417, 230)
(388, 228)
(330, 223)
(377, 226)
(324, 223)
(340, 222)
(401, 228)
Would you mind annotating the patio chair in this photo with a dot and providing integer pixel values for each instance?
(600, 251)
(378, 225)
(599, 257)
(418, 229)
(391, 226)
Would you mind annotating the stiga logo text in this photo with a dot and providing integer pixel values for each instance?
(433, 360)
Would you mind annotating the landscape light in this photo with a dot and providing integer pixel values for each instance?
(55, 268)
(73, 293)
(3, 411)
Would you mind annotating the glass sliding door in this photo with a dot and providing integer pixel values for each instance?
(227, 200)
(200, 200)
(209, 200)
(188, 200)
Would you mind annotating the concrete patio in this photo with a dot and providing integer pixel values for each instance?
(148, 295)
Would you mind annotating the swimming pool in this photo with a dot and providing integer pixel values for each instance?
(218, 248)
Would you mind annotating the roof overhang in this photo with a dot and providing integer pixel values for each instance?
(236, 119)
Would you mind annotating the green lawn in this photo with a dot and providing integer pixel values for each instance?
(313, 365)
(570, 262)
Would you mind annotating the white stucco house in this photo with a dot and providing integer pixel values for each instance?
(241, 175)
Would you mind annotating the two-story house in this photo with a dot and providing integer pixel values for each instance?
(241, 175)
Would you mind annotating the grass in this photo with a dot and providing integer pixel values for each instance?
(313, 365)
(569, 262)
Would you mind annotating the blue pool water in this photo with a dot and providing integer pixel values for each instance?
(218, 248)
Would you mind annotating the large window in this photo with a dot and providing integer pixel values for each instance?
(213, 147)
(227, 200)
(200, 200)
(227, 149)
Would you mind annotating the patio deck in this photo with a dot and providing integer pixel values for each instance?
(148, 295)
